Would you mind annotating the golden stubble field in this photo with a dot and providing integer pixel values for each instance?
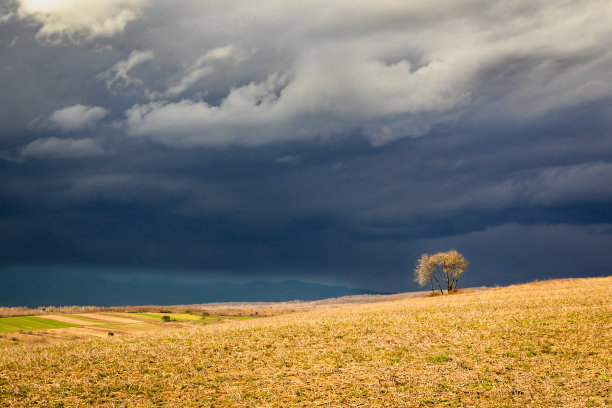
(539, 344)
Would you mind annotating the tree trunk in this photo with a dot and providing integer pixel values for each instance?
(439, 286)
(455, 284)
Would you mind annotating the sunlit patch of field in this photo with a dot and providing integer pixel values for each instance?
(55, 328)
(539, 344)
(16, 324)
(185, 317)
(179, 317)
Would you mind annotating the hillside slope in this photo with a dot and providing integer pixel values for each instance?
(539, 344)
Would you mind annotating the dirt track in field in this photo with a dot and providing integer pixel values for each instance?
(69, 320)
(108, 318)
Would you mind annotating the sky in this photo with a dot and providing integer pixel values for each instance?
(331, 142)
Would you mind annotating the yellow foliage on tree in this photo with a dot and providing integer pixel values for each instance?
(446, 267)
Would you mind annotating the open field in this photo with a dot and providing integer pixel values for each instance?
(59, 328)
(539, 344)
(186, 317)
(16, 324)
(173, 316)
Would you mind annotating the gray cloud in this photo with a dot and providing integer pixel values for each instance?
(118, 76)
(569, 185)
(77, 117)
(6, 17)
(53, 147)
(289, 159)
(581, 184)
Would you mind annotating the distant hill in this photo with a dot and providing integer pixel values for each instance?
(34, 288)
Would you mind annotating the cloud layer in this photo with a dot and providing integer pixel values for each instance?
(324, 140)
(392, 70)
(281, 71)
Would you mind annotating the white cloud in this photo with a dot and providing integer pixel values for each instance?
(320, 100)
(249, 115)
(190, 78)
(387, 69)
(118, 75)
(54, 147)
(76, 20)
(77, 117)
(203, 67)
(221, 53)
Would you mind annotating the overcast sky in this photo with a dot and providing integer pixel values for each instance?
(324, 141)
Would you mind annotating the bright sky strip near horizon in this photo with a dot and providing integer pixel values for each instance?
(323, 141)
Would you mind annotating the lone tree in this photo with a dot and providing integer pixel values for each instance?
(445, 267)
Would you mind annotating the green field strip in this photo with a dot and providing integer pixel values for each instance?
(27, 323)
(210, 320)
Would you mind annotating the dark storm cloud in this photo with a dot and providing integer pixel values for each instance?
(317, 141)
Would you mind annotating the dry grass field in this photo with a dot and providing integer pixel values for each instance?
(539, 344)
